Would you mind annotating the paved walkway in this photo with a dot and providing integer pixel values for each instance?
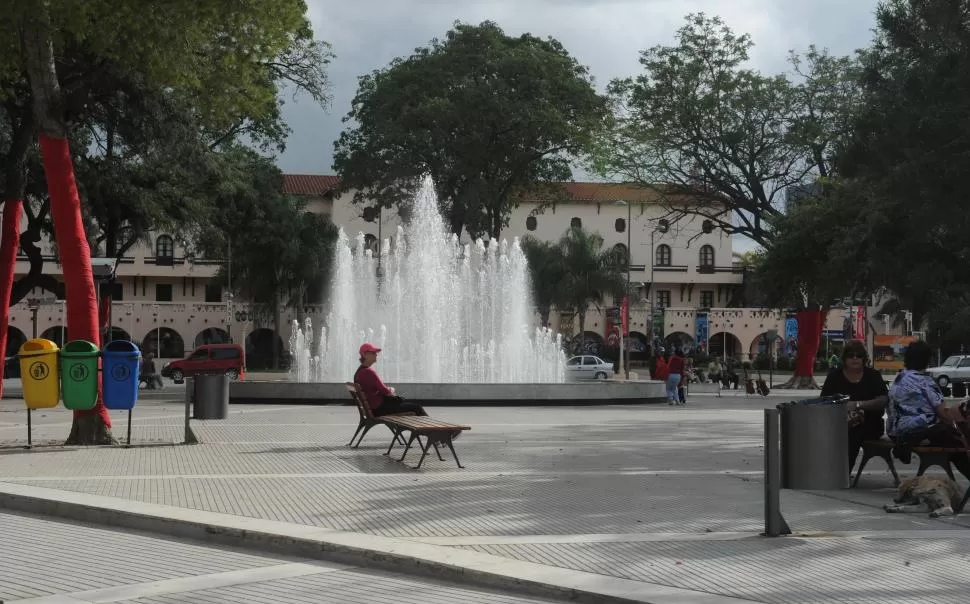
(53, 562)
(667, 496)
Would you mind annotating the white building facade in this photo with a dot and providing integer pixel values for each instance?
(686, 288)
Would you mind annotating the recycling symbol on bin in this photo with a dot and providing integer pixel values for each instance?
(79, 373)
(39, 370)
(120, 373)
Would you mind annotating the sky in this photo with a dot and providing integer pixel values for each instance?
(605, 35)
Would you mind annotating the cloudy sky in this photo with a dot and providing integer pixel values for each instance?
(605, 35)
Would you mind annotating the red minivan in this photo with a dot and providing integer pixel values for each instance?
(208, 358)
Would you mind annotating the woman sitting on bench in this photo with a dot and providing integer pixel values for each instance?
(380, 398)
(867, 394)
(915, 410)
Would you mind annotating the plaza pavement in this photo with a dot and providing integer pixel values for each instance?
(635, 503)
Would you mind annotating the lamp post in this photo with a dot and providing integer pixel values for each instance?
(625, 303)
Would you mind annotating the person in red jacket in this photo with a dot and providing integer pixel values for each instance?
(675, 369)
(660, 367)
(380, 398)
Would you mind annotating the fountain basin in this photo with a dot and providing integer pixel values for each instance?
(571, 393)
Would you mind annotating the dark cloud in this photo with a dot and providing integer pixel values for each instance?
(605, 35)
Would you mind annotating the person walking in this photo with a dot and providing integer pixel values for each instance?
(675, 369)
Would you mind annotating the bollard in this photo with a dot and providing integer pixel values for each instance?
(775, 524)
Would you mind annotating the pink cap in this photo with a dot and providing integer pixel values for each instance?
(368, 347)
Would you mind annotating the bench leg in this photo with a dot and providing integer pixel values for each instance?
(448, 442)
(429, 442)
(360, 427)
(438, 451)
(888, 456)
(367, 428)
(866, 456)
(408, 447)
(963, 504)
(927, 460)
(394, 439)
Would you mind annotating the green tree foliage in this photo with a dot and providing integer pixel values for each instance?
(486, 114)
(150, 97)
(590, 277)
(911, 151)
(732, 139)
(281, 254)
(546, 272)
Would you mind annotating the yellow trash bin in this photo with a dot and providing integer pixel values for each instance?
(39, 373)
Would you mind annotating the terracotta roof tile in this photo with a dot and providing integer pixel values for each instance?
(314, 185)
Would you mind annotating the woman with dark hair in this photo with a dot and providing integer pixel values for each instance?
(867, 394)
(915, 413)
(675, 369)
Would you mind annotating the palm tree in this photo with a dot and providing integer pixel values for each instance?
(546, 270)
(589, 274)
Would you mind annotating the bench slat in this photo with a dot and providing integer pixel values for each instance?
(422, 423)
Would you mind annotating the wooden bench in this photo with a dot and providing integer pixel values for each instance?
(367, 418)
(940, 456)
(434, 432)
(881, 448)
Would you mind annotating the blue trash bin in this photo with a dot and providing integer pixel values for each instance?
(121, 361)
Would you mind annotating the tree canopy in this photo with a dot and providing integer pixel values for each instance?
(731, 140)
(151, 99)
(486, 114)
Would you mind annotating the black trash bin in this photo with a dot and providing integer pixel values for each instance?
(814, 444)
(959, 389)
(211, 397)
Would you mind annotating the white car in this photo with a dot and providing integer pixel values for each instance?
(954, 369)
(588, 367)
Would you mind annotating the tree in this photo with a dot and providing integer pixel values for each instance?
(590, 275)
(546, 273)
(487, 115)
(229, 61)
(911, 149)
(280, 252)
(719, 140)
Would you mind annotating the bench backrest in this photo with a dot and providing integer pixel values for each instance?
(360, 400)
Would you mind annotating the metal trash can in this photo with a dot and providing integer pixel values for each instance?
(211, 394)
(814, 444)
(189, 390)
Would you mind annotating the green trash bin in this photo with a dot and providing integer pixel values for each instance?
(79, 375)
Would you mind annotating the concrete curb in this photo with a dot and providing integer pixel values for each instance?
(398, 555)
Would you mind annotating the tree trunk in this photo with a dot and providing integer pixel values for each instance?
(14, 182)
(94, 426)
(276, 331)
(810, 324)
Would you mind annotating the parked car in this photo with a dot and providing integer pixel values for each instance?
(209, 358)
(588, 367)
(954, 370)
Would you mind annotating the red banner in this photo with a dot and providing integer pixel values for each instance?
(625, 315)
(860, 323)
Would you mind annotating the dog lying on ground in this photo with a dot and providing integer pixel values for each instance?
(938, 494)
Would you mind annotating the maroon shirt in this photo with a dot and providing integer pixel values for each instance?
(676, 365)
(372, 386)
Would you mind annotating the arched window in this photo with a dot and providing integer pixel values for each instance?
(620, 255)
(707, 256)
(576, 223)
(531, 222)
(663, 255)
(164, 250)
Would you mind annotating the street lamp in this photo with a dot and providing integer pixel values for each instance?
(625, 303)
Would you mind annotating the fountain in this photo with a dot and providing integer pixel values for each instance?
(455, 322)
(442, 312)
